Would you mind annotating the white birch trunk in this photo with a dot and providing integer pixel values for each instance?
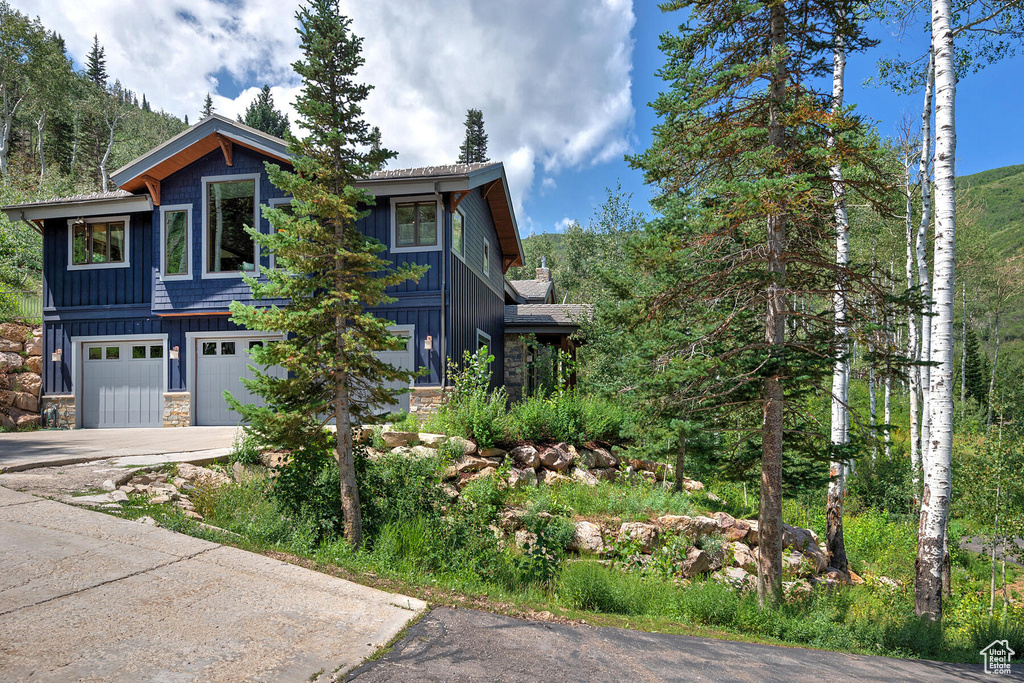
(924, 281)
(840, 368)
(106, 155)
(40, 125)
(912, 349)
(887, 415)
(963, 343)
(939, 449)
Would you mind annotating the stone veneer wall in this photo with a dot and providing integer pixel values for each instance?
(67, 413)
(515, 366)
(21, 368)
(177, 409)
(425, 399)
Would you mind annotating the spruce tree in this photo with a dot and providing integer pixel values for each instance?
(327, 268)
(474, 145)
(975, 374)
(96, 63)
(145, 103)
(262, 115)
(207, 107)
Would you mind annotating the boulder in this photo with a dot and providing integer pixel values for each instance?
(556, 457)
(550, 477)
(34, 346)
(25, 401)
(604, 458)
(241, 473)
(6, 398)
(856, 578)
(10, 346)
(432, 440)
(647, 534)
(511, 519)
(469, 463)
(518, 478)
(27, 420)
(606, 473)
(160, 499)
(587, 538)
(396, 439)
(468, 477)
(792, 561)
(583, 457)
(733, 529)
(29, 382)
(692, 485)
(192, 514)
(525, 457)
(108, 485)
(753, 537)
(15, 332)
(493, 453)
(10, 361)
(738, 576)
(697, 562)
(659, 469)
(34, 364)
(524, 537)
(583, 476)
(798, 539)
(742, 556)
(833, 575)
(198, 476)
(818, 557)
(118, 496)
(691, 527)
(467, 447)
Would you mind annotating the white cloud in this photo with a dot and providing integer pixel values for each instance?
(551, 76)
(564, 223)
(547, 185)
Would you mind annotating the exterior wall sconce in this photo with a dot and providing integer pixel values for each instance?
(428, 343)
(57, 355)
(173, 353)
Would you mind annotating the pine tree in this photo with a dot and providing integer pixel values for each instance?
(262, 115)
(145, 103)
(96, 63)
(207, 107)
(330, 272)
(186, 120)
(975, 375)
(474, 146)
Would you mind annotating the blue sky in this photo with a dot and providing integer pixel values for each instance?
(564, 84)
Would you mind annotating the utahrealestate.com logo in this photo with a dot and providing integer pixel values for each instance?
(997, 657)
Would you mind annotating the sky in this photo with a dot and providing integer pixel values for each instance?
(564, 85)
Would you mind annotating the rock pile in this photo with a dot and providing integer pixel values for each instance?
(175, 491)
(21, 368)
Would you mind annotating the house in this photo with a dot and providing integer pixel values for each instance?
(137, 282)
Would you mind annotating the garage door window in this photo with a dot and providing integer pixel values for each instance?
(156, 351)
(227, 348)
(138, 352)
(209, 348)
(95, 353)
(113, 353)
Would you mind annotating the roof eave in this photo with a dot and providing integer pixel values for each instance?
(83, 208)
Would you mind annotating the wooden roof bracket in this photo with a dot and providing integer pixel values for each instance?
(490, 186)
(227, 148)
(457, 198)
(153, 185)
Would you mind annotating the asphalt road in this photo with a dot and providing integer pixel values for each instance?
(468, 645)
(981, 545)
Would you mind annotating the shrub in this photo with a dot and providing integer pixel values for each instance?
(589, 585)
(468, 410)
(245, 449)
(709, 603)
(566, 415)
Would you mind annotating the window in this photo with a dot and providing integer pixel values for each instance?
(231, 203)
(255, 343)
(175, 231)
(284, 204)
(138, 352)
(414, 224)
(209, 348)
(156, 351)
(95, 353)
(487, 257)
(227, 348)
(483, 340)
(98, 243)
(458, 221)
(113, 353)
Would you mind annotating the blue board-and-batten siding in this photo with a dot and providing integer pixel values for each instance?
(474, 306)
(185, 187)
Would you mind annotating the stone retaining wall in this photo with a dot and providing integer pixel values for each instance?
(177, 409)
(21, 367)
(67, 414)
(425, 400)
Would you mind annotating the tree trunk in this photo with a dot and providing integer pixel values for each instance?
(350, 509)
(922, 258)
(995, 360)
(935, 501)
(769, 565)
(840, 368)
(963, 341)
(106, 155)
(74, 147)
(912, 351)
(887, 415)
(680, 461)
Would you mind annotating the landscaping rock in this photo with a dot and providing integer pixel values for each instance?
(15, 331)
(467, 447)
(583, 476)
(556, 458)
(692, 485)
(191, 514)
(583, 457)
(450, 491)
(798, 539)
(697, 562)
(550, 478)
(34, 346)
(659, 469)
(606, 473)
(753, 537)
(485, 472)
(10, 360)
(432, 440)
(647, 534)
(604, 458)
(493, 453)
(856, 578)
(396, 439)
(34, 364)
(118, 496)
(160, 499)
(10, 346)
(691, 527)
(470, 463)
(108, 485)
(241, 473)
(525, 457)
(587, 538)
(836, 576)
(792, 560)
(198, 476)
(524, 537)
(518, 478)
(362, 434)
(738, 576)
(742, 556)
(28, 382)
(733, 529)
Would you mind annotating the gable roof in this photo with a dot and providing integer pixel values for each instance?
(194, 142)
(541, 318)
(533, 291)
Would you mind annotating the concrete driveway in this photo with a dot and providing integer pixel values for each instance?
(85, 596)
(50, 448)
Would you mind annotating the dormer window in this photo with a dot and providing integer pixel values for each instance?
(100, 242)
(231, 202)
(414, 224)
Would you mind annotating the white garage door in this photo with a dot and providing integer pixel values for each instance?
(122, 384)
(221, 364)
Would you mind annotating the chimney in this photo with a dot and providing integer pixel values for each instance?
(543, 274)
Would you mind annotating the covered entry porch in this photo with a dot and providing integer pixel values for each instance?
(536, 334)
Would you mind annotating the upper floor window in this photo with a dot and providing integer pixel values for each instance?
(176, 241)
(98, 242)
(414, 224)
(231, 203)
(284, 204)
(487, 257)
(458, 226)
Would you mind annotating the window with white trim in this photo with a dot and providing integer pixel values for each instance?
(98, 242)
(176, 238)
(415, 224)
(458, 231)
(487, 257)
(231, 205)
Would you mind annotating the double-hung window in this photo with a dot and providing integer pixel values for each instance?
(176, 241)
(98, 243)
(414, 225)
(231, 205)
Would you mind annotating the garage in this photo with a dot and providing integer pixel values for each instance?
(221, 365)
(400, 358)
(122, 383)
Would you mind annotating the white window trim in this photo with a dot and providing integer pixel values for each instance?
(238, 274)
(275, 202)
(487, 257)
(163, 242)
(392, 246)
(481, 333)
(96, 266)
(461, 254)
(77, 360)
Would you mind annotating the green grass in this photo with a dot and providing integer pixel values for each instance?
(631, 502)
